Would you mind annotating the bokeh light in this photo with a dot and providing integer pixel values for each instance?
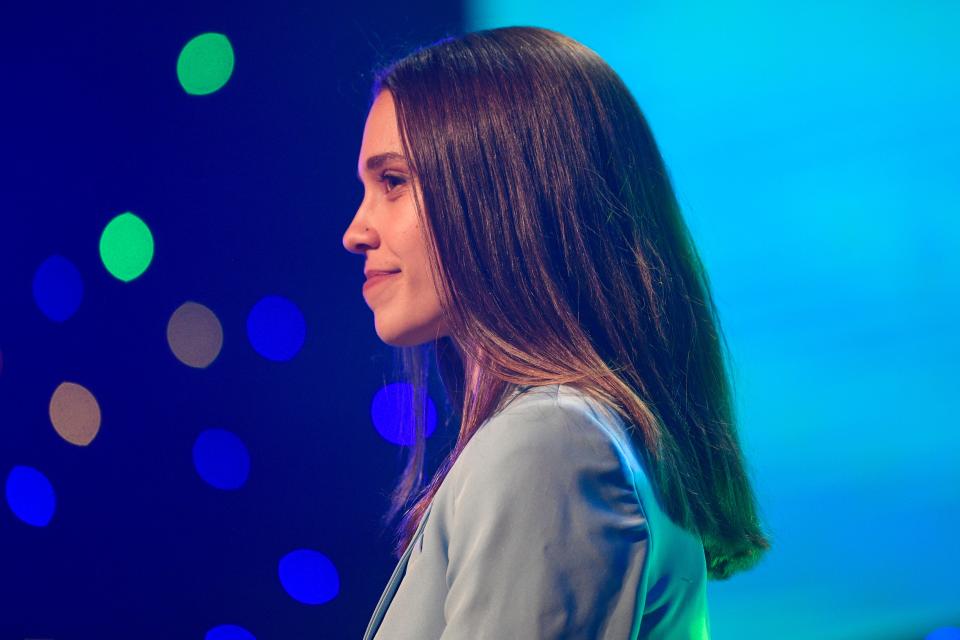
(276, 328)
(309, 576)
(194, 334)
(221, 459)
(944, 633)
(205, 63)
(30, 496)
(228, 632)
(392, 413)
(75, 413)
(57, 288)
(126, 246)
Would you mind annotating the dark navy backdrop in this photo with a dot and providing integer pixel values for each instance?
(247, 192)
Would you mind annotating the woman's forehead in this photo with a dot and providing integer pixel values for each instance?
(381, 128)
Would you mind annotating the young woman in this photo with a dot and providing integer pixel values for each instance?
(526, 234)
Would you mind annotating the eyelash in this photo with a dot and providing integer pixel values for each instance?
(385, 177)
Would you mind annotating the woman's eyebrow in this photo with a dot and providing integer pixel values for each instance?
(377, 161)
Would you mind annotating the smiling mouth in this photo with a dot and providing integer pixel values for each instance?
(377, 278)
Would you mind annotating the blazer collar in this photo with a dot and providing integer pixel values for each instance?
(394, 583)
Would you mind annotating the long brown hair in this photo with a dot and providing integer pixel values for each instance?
(562, 257)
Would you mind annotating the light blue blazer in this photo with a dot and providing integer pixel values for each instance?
(546, 527)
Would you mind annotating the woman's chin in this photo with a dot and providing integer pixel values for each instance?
(408, 335)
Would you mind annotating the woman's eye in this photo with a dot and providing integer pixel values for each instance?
(392, 181)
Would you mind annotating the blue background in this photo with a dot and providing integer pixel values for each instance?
(813, 149)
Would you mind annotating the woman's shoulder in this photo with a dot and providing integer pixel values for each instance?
(552, 422)
(554, 462)
(546, 438)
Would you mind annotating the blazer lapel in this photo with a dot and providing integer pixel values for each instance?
(394, 583)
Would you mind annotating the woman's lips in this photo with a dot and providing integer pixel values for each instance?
(376, 278)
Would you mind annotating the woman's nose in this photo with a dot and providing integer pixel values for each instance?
(357, 237)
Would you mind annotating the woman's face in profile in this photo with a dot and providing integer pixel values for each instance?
(386, 231)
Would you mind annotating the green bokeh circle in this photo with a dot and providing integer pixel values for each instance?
(205, 63)
(126, 247)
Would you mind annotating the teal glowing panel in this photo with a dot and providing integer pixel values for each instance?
(814, 150)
